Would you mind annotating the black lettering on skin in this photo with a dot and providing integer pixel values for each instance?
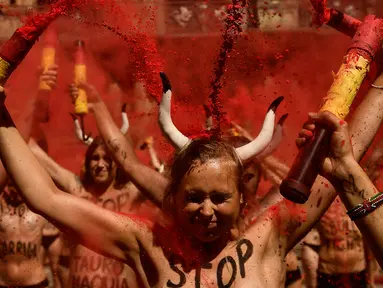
(116, 147)
(32, 250)
(95, 264)
(182, 278)
(98, 281)
(84, 264)
(118, 268)
(11, 246)
(197, 277)
(18, 247)
(220, 267)
(94, 279)
(76, 262)
(76, 280)
(85, 282)
(3, 249)
(106, 265)
(244, 249)
(242, 258)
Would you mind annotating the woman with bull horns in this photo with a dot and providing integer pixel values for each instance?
(200, 246)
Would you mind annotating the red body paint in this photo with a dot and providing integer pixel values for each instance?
(17, 47)
(252, 65)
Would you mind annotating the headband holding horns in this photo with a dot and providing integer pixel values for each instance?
(124, 128)
(178, 140)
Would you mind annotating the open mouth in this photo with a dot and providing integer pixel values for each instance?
(207, 225)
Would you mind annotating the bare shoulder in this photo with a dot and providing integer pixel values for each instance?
(272, 227)
(312, 238)
(261, 230)
(148, 236)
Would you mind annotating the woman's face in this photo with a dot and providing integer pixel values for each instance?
(251, 177)
(101, 166)
(207, 201)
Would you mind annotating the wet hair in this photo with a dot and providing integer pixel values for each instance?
(199, 152)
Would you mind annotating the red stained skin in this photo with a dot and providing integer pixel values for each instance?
(139, 57)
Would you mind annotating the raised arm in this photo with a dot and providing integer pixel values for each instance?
(363, 127)
(65, 179)
(359, 194)
(3, 177)
(310, 258)
(150, 182)
(101, 230)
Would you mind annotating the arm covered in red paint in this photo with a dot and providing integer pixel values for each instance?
(150, 182)
(363, 127)
(65, 179)
(104, 231)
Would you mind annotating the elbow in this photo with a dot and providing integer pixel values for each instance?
(44, 200)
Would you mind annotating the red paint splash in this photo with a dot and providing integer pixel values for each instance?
(149, 65)
(232, 29)
(322, 13)
(342, 143)
(17, 47)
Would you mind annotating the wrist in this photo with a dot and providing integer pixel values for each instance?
(345, 167)
(95, 106)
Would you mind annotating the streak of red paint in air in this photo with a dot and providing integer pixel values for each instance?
(148, 64)
(322, 14)
(148, 68)
(233, 27)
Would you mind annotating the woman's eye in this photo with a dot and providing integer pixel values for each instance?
(193, 198)
(219, 198)
(247, 177)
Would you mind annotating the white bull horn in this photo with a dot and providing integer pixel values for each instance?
(209, 118)
(176, 138)
(79, 132)
(277, 138)
(125, 121)
(265, 136)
